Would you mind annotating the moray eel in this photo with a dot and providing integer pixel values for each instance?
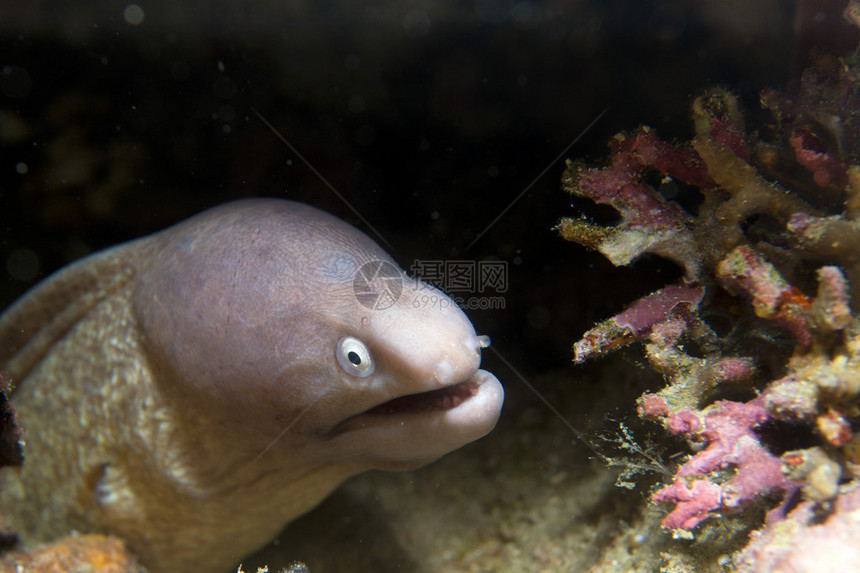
(195, 390)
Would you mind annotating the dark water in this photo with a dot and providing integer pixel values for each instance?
(429, 119)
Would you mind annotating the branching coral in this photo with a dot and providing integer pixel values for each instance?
(640, 318)
(649, 224)
(834, 238)
(728, 431)
(808, 542)
(822, 128)
(776, 217)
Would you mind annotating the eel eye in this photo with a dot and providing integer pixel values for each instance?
(354, 357)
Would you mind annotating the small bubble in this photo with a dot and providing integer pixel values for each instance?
(493, 171)
(22, 265)
(21, 168)
(434, 215)
(522, 81)
(424, 145)
(221, 66)
(133, 14)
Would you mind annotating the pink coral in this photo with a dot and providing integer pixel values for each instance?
(637, 320)
(649, 223)
(694, 500)
(803, 543)
(648, 311)
(772, 297)
(812, 153)
(728, 430)
(771, 212)
(720, 117)
(834, 238)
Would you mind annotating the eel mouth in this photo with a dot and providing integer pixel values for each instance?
(463, 404)
(408, 431)
(440, 399)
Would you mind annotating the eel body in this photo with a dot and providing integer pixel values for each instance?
(195, 390)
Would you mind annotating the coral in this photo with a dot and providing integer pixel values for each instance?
(820, 117)
(822, 128)
(822, 386)
(771, 296)
(73, 554)
(649, 223)
(835, 237)
(819, 473)
(811, 153)
(805, 542)
(717, 165)
(638, 319)
(771, 259)
(728, 431)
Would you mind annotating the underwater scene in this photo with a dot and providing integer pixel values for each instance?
(486, 286)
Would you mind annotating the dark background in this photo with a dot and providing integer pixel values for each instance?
(429, 118)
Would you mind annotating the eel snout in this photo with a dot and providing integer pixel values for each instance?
(414, 428)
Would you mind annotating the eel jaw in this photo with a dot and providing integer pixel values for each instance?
(412, 430)
(430, 401)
